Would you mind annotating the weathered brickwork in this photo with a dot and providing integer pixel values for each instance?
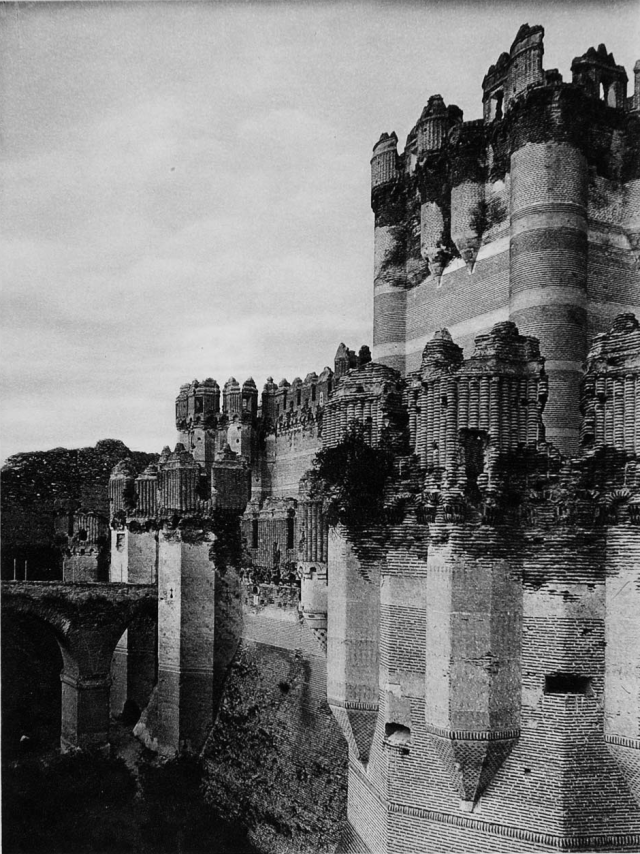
(529, 214)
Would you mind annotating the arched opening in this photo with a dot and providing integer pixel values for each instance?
(31, 690)
(474, 444)
(497, 104)
(134, 669)
(290, 530)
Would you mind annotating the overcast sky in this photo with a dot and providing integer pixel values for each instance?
(186, 187)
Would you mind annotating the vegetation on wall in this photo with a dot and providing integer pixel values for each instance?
(351, 478)
(486, 214)
(40, 484)
(227, 550)
(62, 475)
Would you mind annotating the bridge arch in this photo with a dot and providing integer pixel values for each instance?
(87, 621)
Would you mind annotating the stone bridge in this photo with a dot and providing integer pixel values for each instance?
(87, 621)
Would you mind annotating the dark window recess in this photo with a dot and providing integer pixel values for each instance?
(313, 392)
(290, 521)
(397, 734)
(199, 403)
(473, 443)
(298, 397)
(254, 534)
(329, 385)
(499, 99)
(82, 534)
(567, 683)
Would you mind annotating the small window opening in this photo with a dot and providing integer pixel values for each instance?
(329, 386)
(298, 397)
(397, 734)
(567, 683)
(444, 401)
(473, 442)
(82, 534)
(291, 406)
(313, 392)
(290, 523)
(254, 534)
(498, 110)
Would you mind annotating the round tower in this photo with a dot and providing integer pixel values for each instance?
(250, 397)
(121, 488)
(468, 177)
(232, 397)
(269, 399)
(432, 126)
(389, 276)
(178, 482)
(147, 492)
(282, 397)
(435, 192)
(548, 250)
(207, 403)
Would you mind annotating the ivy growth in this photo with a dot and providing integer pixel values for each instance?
(351, 478)
(486, 214)
(129, 496)
(227, 550)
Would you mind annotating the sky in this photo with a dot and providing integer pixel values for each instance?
(185, 187)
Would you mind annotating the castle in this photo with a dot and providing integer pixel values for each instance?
(481, 640)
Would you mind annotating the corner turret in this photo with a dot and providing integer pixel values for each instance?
(232, 398)
(514, 72)
(384, 163)
(250, 398)
(597, 73)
